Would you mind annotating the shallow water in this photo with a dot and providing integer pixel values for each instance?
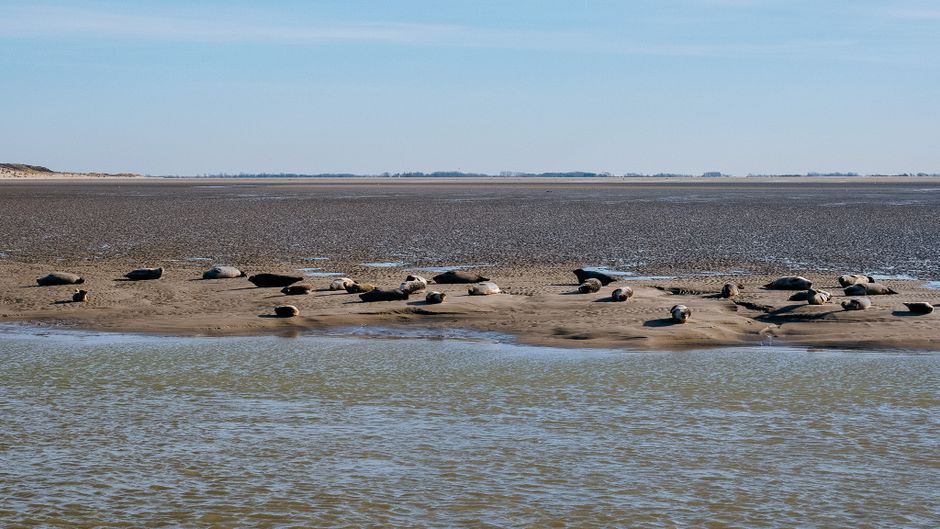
(128, 431)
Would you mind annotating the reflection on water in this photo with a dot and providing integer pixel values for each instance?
(123, 431)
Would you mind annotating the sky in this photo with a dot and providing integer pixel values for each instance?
(683, 86)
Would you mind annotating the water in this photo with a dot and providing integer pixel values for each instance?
(316, 271)
(128, 431)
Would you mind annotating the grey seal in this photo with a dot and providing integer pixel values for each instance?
(80, 296)
(455, 277)
(868, 289)
(144, 274)
(286, 311)
(434, 297)
(60, 278)
(274, 280)
(383, 294)
(359, 288)
(486, 288)
(680, 313)
(790, 283)
(296, 290)
(817, 297)
(799, 296)
(854, 279)
(730, 290)
(340, 283)
(413, 286)
(223, 272)
(584, 275)
(856, 304)
(621, 294)
(589, 286)
(919, 307)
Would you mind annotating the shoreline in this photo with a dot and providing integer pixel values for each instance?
(540, 307)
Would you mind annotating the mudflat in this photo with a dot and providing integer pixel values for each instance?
(673, 241)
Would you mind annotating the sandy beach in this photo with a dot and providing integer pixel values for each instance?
(674, 242)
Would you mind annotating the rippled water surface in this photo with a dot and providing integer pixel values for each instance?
(124, 431)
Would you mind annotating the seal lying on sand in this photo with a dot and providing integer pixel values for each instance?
(358, 288)
(383, 294)
(856, 304)
(80, 296)
(485, 288)
(868, 289)
(286, 311)
(434, 297)
(340, 283)
(589, 286)
(223, 272)
(413, 286)
(296, 290)
(455, 277)
(855, 279)
(144, 274)
(730, 290)
(790, 283)
(273, 280)
(416, 278)
(799, 296)
(621, 294)
(919, 307)
(680, 313)
(60, 278)
(817, 297)
(584, 275)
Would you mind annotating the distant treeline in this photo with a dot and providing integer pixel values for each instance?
(512, 174)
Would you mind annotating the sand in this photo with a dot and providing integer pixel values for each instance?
(540, 306)
(690, 236)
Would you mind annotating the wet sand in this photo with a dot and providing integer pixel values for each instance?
(526, 235)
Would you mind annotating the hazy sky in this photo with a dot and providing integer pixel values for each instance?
(367, 86)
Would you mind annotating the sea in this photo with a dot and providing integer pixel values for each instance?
(105, 430)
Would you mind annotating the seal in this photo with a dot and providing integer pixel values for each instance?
(817, 297)
(456, 277)
(413, 286)
(340, 283)
(286, 311)
(223, 272)
(799, 296)
(680, 313)
(434, 297)
(584, 275)
(383, 294)
(590, 285)
(868, 289)
(856, 304)
(358, 288)
(621, 294)
(486, 288)
(730, 290)
(855, 279)
(790, 283)
(296, 290)
(144, 274)
(919, 307)
(274, 280)
(416, 278)
(60, 278)
(80, 296)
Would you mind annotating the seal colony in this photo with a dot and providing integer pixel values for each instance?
(535, 306)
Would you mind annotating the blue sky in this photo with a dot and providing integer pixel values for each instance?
(688, 86)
